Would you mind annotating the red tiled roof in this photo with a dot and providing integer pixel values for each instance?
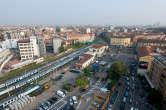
(86, 55)
(99, 46)
(123, 37)
(144, 51)
(24, 41)
(76, 34)
(151, 41)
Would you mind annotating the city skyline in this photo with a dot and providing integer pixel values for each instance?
(79, 12)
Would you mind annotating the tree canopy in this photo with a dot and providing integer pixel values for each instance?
(61, 49)
(82, 82)
(87, 71)
(116, 70)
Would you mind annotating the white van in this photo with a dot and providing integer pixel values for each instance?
(60, 93)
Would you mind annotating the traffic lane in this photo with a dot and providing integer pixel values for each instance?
(85, 101)
(121, 91)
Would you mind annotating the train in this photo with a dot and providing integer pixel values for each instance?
(12, 99)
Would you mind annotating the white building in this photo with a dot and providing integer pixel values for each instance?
(33, 41)
(98, 49)
(56, 44)
(9, 43)
(88, 30)
(84, 61)
(4, 54)
(31, 47)
(26, 49)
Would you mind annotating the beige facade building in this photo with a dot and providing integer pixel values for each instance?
(120, 41)
(80, 37)
(145, 55)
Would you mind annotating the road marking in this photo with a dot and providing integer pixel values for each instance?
(78, 106)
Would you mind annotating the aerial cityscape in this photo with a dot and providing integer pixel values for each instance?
(82, 55)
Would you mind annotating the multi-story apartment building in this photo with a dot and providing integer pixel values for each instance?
(29, 48)
(148, 36)
(26, 49)
(158, 74)
(80, 37)
(56, 44)
(151, 42)
(120, 41)
(42, 47)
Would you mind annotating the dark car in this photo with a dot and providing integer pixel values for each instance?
(63, 72)
(54, 99)
(58, 78)
(83, 90)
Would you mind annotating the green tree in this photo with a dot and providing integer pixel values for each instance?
(82, 82)
(116, 70)
(61, 49)
(67, 87)
(87, 71)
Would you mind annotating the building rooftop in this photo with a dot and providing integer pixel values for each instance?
(161, 59)
(24, 41)
(144, 51)
(151, 41)
(86, 55)
(98, 45)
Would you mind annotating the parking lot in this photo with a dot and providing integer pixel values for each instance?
(51, 92)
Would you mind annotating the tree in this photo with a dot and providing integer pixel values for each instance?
(87, 71)
(66, 87)
(116, 70)
(82, 82)
(61, 49)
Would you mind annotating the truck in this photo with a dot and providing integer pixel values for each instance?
(60, 93)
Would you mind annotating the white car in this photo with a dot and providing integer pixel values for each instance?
(60, 93)
(71, 101)
(74, 99)
(110, 107)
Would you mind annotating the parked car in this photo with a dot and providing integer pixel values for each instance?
(54, 99)
(95, 104)
(48, 103)
(44, 106)
(127, 78)
(126, 94)
(110, 107)
(74, 99)
(58, 77)
(63, 72)
(124, 100)
(51, 101)
(71, 102)
(130, 101)
(60, 93)
(132, 108)
(39, 108)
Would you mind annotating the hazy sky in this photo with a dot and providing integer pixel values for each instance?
(66, 12)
